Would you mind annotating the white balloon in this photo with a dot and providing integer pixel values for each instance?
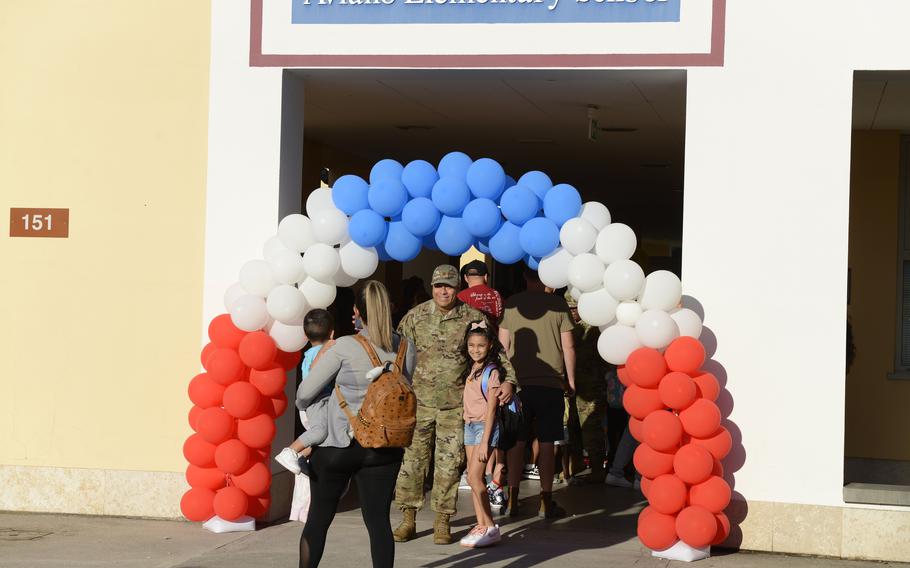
(330, 225)
(287, 267)
(249, 313)
(287, 304)
(321, 262)
(627, 313)
(662, 291)
(597, 307)
(553, 269)
(344, 280)
(272, 247)
(578, 236)
(256, 278)
(231, 295)
(586, 272)
(357, 261)
(296, 232)
(688, 321)
(616, 343)
(318, 294)
(623, 279)
(656, 329)
(320, 198)
(595, 213)
(575, 293)
(615, 242)
(288, 338)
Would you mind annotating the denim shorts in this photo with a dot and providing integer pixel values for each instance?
(473, 434)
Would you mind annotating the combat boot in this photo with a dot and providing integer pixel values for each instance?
(408, 527)
(442, 533)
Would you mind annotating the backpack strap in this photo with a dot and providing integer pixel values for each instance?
(485, 380)
(343, 404)
(402, 351)
(368, 347)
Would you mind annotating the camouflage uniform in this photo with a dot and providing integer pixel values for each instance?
(590, 391)
(440, 407)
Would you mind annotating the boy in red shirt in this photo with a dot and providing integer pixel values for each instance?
(478, 295)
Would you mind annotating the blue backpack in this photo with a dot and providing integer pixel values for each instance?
(509, 417)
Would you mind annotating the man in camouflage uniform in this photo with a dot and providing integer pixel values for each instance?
(590, 392)
(437, 328)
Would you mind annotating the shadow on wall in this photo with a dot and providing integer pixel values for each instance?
(738, 509)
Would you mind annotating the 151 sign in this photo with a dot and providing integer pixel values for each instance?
(36, 222)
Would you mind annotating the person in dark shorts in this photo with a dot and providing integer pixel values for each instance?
(536, 331)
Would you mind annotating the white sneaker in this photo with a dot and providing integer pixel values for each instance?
(289, 459)
(617, 481)
(481, 536)
(463, 485)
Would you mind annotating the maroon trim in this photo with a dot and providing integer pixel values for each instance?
(715, 58)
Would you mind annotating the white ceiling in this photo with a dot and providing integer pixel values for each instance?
(525, 120)
(881, 100)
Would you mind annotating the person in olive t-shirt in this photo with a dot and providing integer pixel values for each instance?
(536, 331)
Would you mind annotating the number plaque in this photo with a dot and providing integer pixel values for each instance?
(35, 222)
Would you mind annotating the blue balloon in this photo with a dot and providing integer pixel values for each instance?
(429, 242)
(451, 195)
(486, 178)
(400, 244)
(420, 216)
(384, 256)
(539, 237)
(387, 197)
(538, 182)
(483, 245)
(452, 237)
(455, 164)
(510, 181)
(350, 194)
(533, 263)
(561, 204)
(519, 204)
(505, 245)
(386, 169)
(367, 228)
(418, 177)
(482, 217)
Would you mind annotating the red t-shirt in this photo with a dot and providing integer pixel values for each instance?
(483, 298)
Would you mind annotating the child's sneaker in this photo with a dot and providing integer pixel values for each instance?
(531, 472)
(481, 536)
(289, 459)
(463, 484)
(497, 499)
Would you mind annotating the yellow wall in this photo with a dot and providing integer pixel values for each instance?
(877, 420)
(103, 109)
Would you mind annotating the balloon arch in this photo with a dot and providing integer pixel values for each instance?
(354, 225)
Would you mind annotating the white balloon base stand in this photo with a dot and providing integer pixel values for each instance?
(218, 525)
(684, 552)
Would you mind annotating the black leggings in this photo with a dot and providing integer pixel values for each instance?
(375, 472)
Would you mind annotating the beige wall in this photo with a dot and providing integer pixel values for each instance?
(103, 110)
(877, 420)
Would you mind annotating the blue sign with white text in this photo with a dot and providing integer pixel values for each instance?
(482, 11)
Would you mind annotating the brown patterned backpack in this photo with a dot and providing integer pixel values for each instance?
(388, 414)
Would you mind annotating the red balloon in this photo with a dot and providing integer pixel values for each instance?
(262, 454)
(241, 400)
(723, 528)
(636, 428)
(205, 392)
(206, 353)
(677, 390)
(719, 443)
(646, 367)
(288, 360)
(215, 425)
(232, 457)
(269, 381)
(258, 506)
(225, 366)
(254, 481)
(257, 432)
(645, 485)
(656, 530)
(193, 417)
(623, 375)
(651, 463)
(224, 333)
(197, 504)
(667, 494)
(685, 354)
(702, 419)
(696, 526)
(693, 464)
(258, 350)
(279, 405)
(718, 469)
(205, 477)
(230, 503)
(199, 452)
(713, 494)
(707, 386)
(640, 402)
(662, 430)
